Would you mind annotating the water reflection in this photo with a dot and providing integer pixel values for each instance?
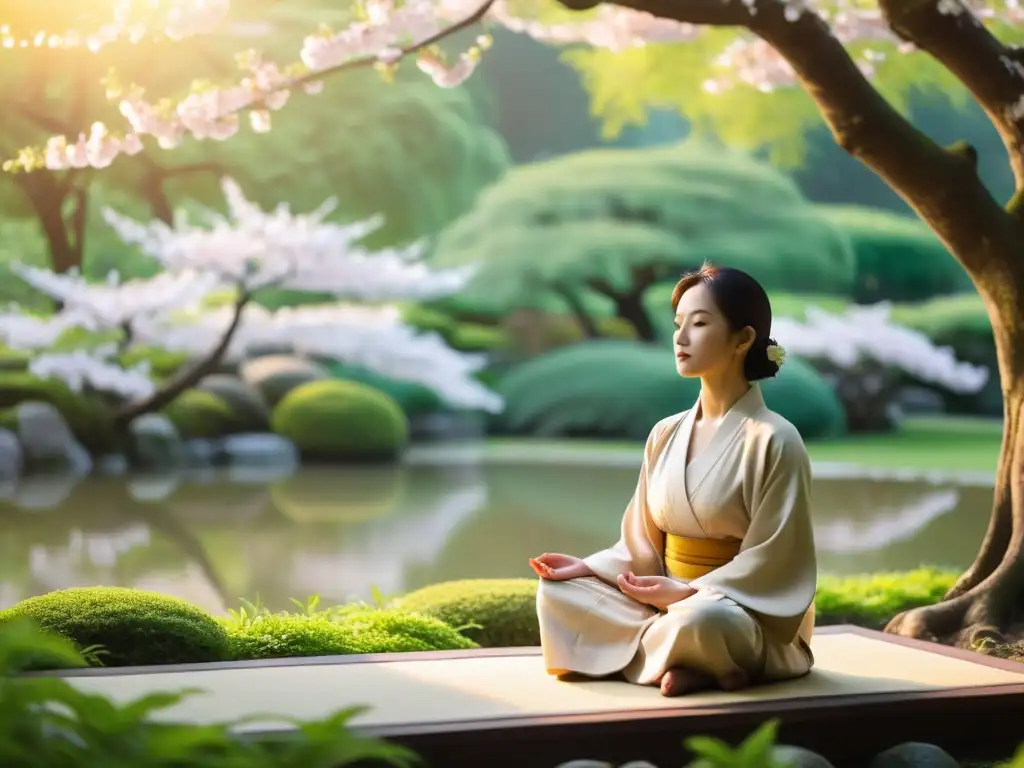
(341, 532)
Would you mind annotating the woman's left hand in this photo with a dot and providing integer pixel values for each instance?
(657, 591)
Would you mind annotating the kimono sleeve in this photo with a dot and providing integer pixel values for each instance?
(775, 573)
(640, 547)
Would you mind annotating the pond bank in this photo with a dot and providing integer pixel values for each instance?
(625, 455)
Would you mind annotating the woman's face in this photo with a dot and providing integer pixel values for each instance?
(703, 341)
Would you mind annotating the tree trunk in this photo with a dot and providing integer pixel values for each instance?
(586, 322)
(989, 597)
(630, 307)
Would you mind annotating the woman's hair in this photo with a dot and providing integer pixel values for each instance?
(742, 300)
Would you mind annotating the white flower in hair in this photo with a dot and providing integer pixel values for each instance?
(777, 354)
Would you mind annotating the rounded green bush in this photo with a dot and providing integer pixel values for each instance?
(621, 389)
(198, 414)
(504, 609)
(133, 627)
(360, 631)
(897, 258)
(341, 421)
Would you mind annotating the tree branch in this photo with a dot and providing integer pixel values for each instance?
(187, 378)
(940, 185)
(156, 175)
(991, 71)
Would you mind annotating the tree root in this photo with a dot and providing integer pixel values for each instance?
(971, 620)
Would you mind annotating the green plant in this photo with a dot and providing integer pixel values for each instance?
(872, 599)
(341, 420)
(199, 414)
(87, 416)
(755, 751)
(620, 389)
(45, 722)
(133, 627)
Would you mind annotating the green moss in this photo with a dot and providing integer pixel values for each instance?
(341, 421)
(504, 609)
(360, 631)
(476, 337)
(870, 600)
(196, 414)
(133, 627)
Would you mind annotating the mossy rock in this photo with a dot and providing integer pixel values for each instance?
(132, 626)
(369, 631)
(275, 376)
(505, 609)
(246, 403)
(198, 414)
(341, 421)
(88, 417)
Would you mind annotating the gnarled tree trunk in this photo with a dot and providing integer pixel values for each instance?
(988, 599)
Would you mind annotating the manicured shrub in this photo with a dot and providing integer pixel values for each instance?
(504, 609)
(361, 631)
(133, 627)
(198, 414)
(620, 389)
(897, 258)
(341, 421)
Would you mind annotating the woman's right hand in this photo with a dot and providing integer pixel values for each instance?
(555, 567)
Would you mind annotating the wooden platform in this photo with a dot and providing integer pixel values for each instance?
(497, 707)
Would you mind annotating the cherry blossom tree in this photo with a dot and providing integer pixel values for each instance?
(865, 356)
(750, 47)
(240, 254)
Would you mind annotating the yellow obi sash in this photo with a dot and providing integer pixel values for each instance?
(687, 558)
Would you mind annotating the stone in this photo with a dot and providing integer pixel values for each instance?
(112, 465)
(913, 754)
(47, 441)
(156, 443)
(244, 400)
(259, 450)
(202, 452)
(274, 376)
(12, 458)
(920, 400)
(798, 757)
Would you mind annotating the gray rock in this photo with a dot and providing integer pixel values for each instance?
(259, 450)
(112, 465)
(156, 443)
(244, 400)
(48, 443)
(798, 757)
(913, 400)
(274, 376)
(914, 754)
(12, 458)
(202, 452)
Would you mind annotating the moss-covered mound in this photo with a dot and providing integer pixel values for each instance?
(365, 631)
(199, 414)
(504, 609)
(133, 627)
(341, 421)
(871, 599)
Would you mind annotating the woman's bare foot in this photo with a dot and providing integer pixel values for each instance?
(733, 681)
(680, 681)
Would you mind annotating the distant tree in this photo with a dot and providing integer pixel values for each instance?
(612, 223)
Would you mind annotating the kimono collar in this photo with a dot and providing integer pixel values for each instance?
(750, 404)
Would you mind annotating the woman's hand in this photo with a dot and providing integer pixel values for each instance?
(555, 567)
(657, 591)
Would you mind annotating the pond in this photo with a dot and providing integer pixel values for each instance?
(344, 532)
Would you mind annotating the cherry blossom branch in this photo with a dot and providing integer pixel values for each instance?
(952, 34)
(188, 377)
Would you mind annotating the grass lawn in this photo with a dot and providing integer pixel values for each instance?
(933, 443)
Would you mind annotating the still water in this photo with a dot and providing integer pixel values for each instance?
(342, 532)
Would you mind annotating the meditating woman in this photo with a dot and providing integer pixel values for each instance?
(712, 581)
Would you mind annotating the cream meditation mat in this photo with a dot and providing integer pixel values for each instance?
(407, 693)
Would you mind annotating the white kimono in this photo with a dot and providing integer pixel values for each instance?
(753, 615)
